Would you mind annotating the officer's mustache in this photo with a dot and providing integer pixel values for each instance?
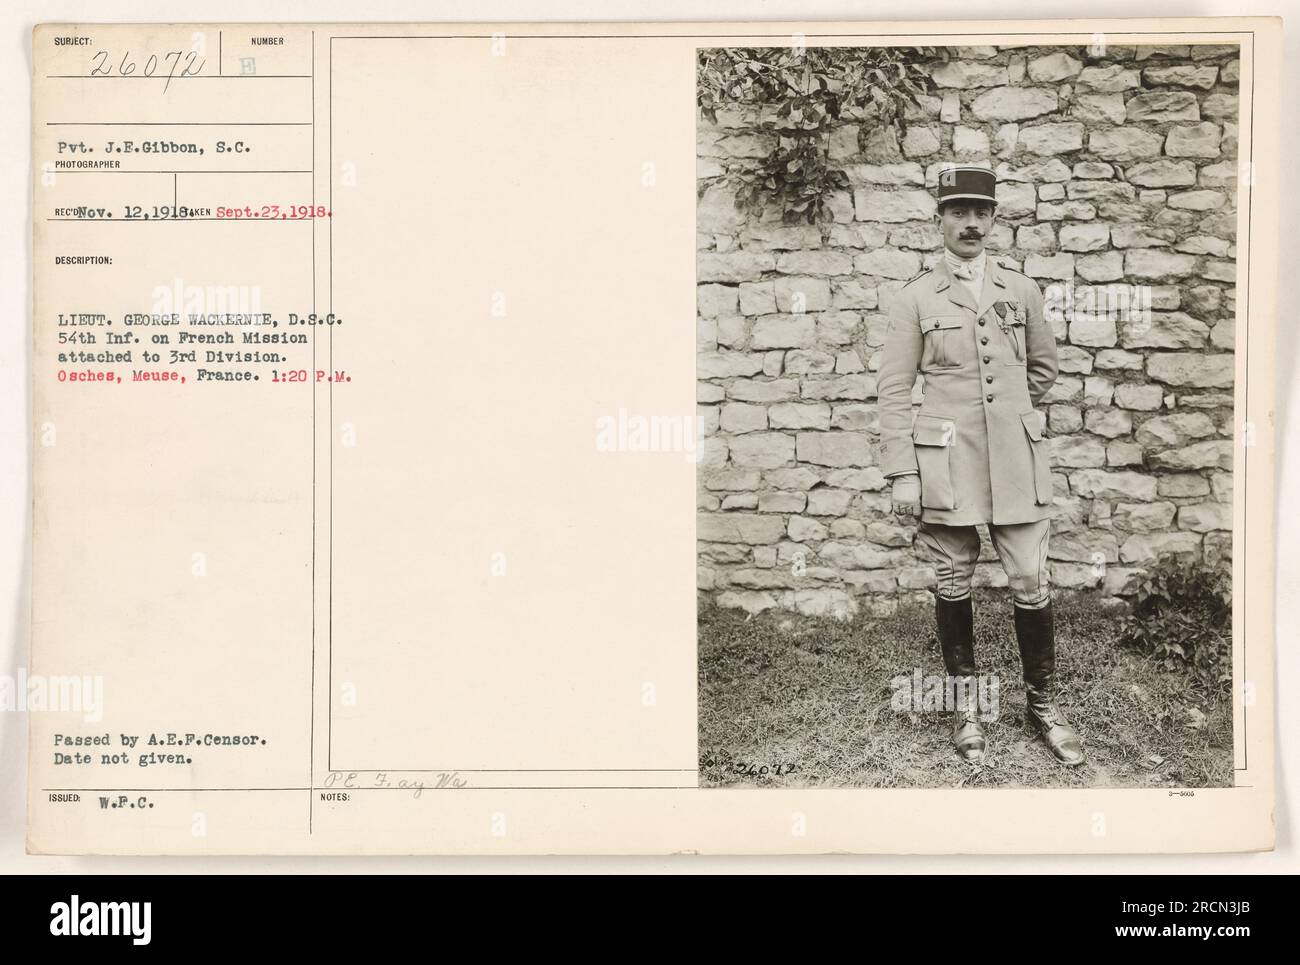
(970, 236)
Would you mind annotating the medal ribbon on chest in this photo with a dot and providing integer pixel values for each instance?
(1001, 309)
(1012, 309)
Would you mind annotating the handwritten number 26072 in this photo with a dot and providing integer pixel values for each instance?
(189, 63)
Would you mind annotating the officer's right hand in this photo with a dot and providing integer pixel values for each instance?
(906, 495)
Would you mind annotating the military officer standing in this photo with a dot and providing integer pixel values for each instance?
(975, 451)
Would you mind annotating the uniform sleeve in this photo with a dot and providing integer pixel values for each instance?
(1040, 341)
(898, 369)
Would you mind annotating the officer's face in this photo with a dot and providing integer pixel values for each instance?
(966, 226)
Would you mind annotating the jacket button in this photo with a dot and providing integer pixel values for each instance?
(984, 340)
(988, 379)
(986, 360)
(981, 321)
(988, 398)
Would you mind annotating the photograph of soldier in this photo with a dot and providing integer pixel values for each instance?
(974, 329)
(969, 420)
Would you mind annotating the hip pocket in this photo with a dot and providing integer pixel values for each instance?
(932, 437)
(1038, 450)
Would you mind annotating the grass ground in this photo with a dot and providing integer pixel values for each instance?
(810, 700)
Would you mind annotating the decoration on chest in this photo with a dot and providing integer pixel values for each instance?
(1009, 313)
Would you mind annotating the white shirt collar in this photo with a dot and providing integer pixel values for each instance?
(977, 263)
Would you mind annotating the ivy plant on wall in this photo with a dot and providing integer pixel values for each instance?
(799, 94)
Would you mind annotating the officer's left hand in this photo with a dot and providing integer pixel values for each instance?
(906, 495)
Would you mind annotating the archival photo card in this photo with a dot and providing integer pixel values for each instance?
(639, 438)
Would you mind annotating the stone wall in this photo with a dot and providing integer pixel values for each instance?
(1114, 170)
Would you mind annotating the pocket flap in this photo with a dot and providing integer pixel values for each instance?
(931, 430)
(1033, 422)
(932, 323)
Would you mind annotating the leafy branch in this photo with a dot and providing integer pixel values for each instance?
(799, 95)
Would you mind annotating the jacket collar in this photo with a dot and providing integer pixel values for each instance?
(995, 283)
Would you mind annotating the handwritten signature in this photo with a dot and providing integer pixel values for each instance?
(364, 780)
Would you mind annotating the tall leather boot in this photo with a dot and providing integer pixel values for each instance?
(1034, 634)
(956, 626)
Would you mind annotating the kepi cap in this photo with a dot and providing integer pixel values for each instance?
(970, 182)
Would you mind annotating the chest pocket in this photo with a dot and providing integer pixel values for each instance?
(942, 334)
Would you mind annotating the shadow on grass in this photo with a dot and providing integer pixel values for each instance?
(809, 699)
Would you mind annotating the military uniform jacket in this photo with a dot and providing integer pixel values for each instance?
(977, 440)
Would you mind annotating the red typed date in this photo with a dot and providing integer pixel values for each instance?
(274, 212)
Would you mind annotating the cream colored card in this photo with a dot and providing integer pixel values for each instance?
(367, 453)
